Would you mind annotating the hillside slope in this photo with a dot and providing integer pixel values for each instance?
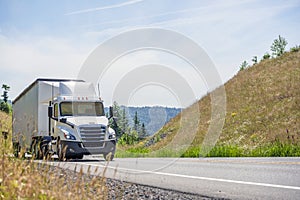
(263, 107)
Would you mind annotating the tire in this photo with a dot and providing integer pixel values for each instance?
(44, 151)
(61, 151)
(80, 156)
(16, 148)
(109, 156)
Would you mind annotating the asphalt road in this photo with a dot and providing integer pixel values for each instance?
(233, 178)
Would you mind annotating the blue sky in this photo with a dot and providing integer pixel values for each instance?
(53, 38)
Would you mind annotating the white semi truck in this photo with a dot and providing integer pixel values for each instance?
(61, 117)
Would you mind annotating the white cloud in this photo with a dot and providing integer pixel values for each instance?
(38, 57)
(104, 7)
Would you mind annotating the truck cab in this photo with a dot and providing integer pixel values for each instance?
(78, 123)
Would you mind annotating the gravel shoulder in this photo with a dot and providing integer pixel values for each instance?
(116, 189)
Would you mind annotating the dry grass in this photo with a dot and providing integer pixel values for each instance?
(263, 107)
(265, 100)
(26, 179)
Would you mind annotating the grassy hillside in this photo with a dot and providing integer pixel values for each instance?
(262, 114)
(265, 100)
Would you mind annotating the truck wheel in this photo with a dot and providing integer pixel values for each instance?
(16, 148)
(61, 151)
(109, 156)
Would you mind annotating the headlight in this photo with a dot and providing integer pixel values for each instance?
(111, 134)
(67, 133)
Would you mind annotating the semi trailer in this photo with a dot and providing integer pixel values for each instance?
(61, 118)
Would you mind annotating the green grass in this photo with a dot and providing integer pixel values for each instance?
(131, 152)
(226, 151)
(276, 149)
(140, 152)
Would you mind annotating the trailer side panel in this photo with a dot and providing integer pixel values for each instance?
(25, 117)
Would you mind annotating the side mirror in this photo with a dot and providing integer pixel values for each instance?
(63, 120)
(50, 112)
(111, 112)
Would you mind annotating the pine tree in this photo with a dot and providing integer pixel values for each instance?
(143, 133)
(114, 125)
(136, 122)
(5, 92)
(278, 46)
(123, 122)
(4, 106)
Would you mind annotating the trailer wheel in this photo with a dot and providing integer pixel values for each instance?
(35, 149)
(45, 152)
(61, 151)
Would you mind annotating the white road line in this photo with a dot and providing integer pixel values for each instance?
(118, 169)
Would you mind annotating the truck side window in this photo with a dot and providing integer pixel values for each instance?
(56, 110)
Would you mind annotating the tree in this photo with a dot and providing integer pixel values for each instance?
(127, 133)
(254, 60)
(5, 92)
(143, 133)
(136, 122)
(278, 46)
(124, 126)
(4, 105)
(244, 65)
(117, 115)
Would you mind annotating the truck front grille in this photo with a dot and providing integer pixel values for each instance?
(92, 136)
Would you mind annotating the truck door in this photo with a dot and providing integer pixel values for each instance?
(54, 120)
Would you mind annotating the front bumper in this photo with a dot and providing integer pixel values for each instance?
(76, 149)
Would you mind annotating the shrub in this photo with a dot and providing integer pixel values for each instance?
(244, 65)
(295, 49)
(266, 56)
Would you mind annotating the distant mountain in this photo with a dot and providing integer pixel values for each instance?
(153, 117)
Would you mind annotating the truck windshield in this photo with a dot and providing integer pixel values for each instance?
(81, 109)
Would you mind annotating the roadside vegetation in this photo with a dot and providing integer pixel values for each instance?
(263, 112)
(26, 179)
(4, 104)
